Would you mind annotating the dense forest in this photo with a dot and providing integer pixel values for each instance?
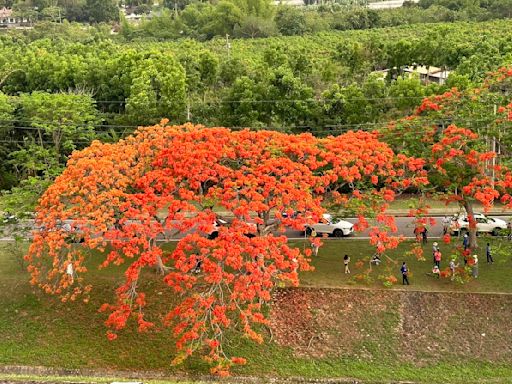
(58, 94)
(260, 18)
(177, 19)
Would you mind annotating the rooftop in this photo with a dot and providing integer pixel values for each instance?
(5, 12)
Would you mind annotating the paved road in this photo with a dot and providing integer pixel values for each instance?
(405, 227)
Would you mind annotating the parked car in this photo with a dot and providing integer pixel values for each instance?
(216, 225)
(484, 224)
(330, 226)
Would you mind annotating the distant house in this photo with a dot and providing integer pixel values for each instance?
(426, 74)
(429, 74)
(8, 20)
(131, 15)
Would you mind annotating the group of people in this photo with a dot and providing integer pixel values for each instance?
(452, 265)
(437, 256)
(421, 235)
(421, 231)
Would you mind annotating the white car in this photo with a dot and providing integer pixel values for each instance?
(216, 225)
(330, 226)
(484, 224)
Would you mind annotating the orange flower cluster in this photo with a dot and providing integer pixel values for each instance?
(165, 180)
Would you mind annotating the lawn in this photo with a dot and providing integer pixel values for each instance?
(405, 202)
(329, 266)
(36, 329)
(24, 378)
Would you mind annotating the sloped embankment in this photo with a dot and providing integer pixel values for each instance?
(416, 327)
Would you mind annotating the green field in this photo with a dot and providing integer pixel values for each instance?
(329, 267)
(38, 330)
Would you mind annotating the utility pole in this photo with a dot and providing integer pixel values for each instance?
(493, 160)
(228, 45)
(494, 150)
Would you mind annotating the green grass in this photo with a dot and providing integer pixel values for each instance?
(39, 330)
(406, 202)
(86, 379)
(329, 270)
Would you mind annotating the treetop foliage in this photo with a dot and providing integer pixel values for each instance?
(164, 181)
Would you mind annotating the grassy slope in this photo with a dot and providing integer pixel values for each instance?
(39, 330)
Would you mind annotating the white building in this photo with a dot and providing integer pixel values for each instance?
(429, 74)
(8, 20)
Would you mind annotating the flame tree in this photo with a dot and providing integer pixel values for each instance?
(458, 135)
(165, 180)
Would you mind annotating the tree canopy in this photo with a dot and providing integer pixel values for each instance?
(164, 181)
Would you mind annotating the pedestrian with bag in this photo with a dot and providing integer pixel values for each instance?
(405, 274)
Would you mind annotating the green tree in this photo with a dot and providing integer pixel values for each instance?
(99, 11)
(255, 26)
(8, 142)
(502, 8)
(406, 92)
(225, 16)
(62, 122)
(158, 90)
(259, 8)
(74, 9)
(6, 3)
(291, 21)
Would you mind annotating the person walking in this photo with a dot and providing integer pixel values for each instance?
(465, 244)
(437, 259)
(446, 224)
(315, 247)
(70, 272)
(435, 248)
(405, 273)
(465, 241)
(346, 260)
(475, 266)
(488, 253)
(314, 244)
(424, 235)
(453, 266)
(417, 234)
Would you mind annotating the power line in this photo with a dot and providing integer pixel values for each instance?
(306, 126)
(46, 122)
(39, 142)
(310, 100)
(339, 131)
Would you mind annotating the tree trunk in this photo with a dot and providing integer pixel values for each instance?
(468, 205)
(161, 268)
